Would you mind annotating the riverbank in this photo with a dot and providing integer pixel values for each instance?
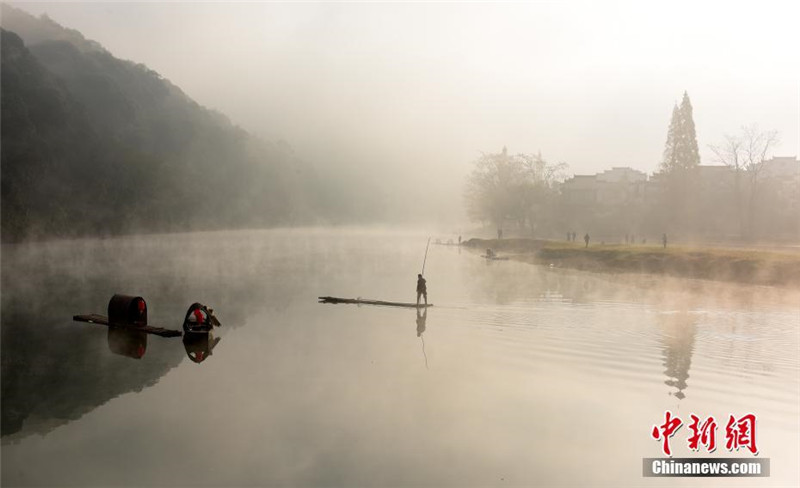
(756, 267)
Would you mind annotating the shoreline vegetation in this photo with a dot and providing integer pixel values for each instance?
(750, 266)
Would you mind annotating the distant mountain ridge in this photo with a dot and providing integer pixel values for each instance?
(92, 144)
(36, 30)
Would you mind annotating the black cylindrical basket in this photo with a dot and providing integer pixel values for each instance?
(127, 310)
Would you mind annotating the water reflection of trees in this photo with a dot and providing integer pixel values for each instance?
(506, 282)
(55, 370)
(678, 331)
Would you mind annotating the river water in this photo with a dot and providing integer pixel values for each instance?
(520, 375)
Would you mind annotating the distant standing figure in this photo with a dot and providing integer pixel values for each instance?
(422, 289)
(459, 240)
(499, 234)
(664, 240)
(586, 239)
(489, 253)
(574, 235)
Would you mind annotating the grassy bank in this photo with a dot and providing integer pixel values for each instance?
(744, 266)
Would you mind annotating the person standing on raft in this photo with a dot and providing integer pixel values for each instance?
(422, 289)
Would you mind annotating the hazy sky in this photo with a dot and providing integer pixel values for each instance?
(421, 88)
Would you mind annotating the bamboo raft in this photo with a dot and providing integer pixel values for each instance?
(358, 301)
(103, 320)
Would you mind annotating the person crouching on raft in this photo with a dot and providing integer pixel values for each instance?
(422, 289)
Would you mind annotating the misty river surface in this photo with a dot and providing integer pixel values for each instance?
(519, 375)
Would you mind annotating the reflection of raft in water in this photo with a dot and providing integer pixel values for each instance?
(199, 345)
(359, 301)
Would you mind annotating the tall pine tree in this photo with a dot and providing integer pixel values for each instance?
(681, 152)
(688, 156)
(681, 158)
(672, 133)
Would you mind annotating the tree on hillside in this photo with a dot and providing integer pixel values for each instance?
(511, 188)
(745, 153)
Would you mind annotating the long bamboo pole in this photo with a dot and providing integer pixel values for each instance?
(426, 256)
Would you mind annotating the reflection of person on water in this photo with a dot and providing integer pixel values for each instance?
(421, 318)
(422, 289)
(199, 345)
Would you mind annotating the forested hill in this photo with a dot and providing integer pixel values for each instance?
(92, 144)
